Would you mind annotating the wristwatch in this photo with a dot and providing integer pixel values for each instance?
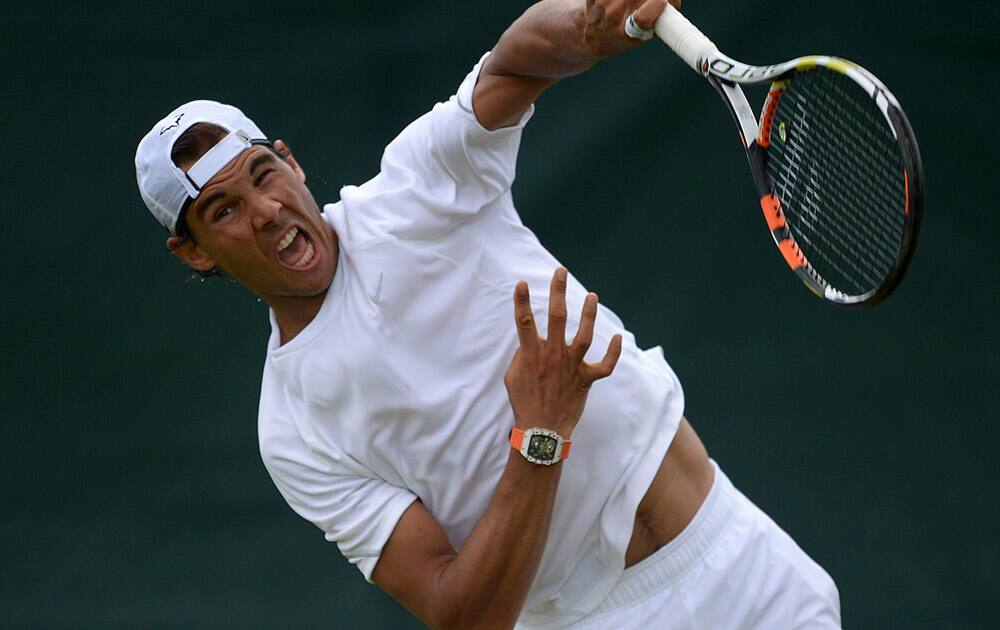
(540, 446)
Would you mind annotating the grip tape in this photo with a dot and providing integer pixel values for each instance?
(684, 38)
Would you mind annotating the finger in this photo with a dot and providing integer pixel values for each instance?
(610, 360)
(527, 334)
(557, 306)
(585, 334)
(648, 11)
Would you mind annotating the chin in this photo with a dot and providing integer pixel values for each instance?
(317, 283)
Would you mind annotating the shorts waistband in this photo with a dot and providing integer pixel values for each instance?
(670, 562)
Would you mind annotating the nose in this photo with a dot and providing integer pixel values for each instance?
(263, 210)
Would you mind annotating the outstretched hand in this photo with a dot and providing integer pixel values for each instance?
(548, 380)
(604, 32)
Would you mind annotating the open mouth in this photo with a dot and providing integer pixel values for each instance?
(295, 250)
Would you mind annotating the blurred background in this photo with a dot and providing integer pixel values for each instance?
(132, 489)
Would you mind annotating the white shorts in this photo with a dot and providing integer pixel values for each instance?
(731, 567)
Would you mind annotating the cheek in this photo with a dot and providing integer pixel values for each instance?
(234, 247)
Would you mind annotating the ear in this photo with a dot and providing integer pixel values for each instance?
(192, 255)
(281, 146)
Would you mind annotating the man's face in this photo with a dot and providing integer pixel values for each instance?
(257, 221)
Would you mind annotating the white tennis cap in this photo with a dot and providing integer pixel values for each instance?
(164, 187)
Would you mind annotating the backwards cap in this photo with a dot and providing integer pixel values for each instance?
(166, 188)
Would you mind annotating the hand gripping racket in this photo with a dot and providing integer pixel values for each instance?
(835, 162)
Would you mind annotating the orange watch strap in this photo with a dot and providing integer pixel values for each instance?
(517, 440)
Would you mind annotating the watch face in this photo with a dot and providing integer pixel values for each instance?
(542, 447)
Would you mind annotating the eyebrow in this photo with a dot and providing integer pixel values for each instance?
(207, 202)
(267, 156)
(255, 163)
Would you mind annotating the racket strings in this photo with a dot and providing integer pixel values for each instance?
(839, 175)
(846, 197)
(846, 232)
(849, 231)
(889, 156)
(818, 236)
(888, 161)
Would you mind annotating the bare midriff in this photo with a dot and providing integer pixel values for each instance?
(673, 498)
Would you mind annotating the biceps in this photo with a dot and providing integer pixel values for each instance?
(412, 561)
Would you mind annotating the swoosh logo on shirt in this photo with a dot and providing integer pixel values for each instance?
(378, 290)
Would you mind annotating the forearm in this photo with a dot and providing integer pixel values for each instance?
(547, 383)
(544, 45)
(554, 39)
(547, 42)
(486, 583)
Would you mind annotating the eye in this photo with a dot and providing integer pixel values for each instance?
(222, 212)
(260, 178)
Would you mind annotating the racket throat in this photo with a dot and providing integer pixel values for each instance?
(739, 108)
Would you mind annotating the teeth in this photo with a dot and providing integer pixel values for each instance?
(287, 240)
(306, 257)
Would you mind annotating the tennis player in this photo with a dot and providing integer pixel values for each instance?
(443, 400)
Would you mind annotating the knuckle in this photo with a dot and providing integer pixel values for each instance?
(525, 320)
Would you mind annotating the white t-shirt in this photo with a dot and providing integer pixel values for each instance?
(395, 390)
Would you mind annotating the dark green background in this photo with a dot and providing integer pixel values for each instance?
(132, 490)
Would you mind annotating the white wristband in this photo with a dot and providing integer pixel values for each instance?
(635, 31)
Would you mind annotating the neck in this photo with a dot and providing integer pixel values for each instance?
(293, 314)
(293, 318)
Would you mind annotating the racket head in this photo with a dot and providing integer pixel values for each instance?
(840, 178)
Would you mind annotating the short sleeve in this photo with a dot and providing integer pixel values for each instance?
(357, 511)
(440, 170)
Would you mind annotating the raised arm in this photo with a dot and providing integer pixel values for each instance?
(486, 583)
(554, 39)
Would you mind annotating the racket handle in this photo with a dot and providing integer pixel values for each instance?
(684, 38)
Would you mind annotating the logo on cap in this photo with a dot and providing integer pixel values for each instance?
(177, 123)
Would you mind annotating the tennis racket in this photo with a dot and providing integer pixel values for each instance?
(835, 162)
